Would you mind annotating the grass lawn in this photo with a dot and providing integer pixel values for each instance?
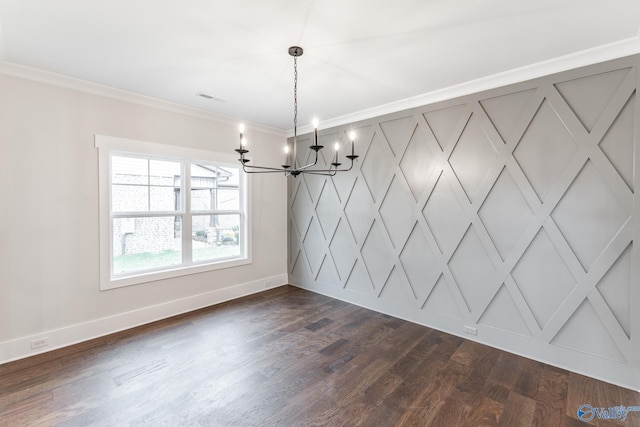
(169, 257)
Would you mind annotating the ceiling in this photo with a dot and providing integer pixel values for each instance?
(358, 54)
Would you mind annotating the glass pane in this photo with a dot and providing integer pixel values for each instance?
(129, 198)
(129, 170)
(214, 188)
(141, 244)
(204, 179)
(143, 185)
(230, 176)
(228, 199)
(215, 237)
(164, 199)
(202, 199)
(204, 171)
(162, 172)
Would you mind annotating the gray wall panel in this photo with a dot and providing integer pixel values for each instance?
(511, 211)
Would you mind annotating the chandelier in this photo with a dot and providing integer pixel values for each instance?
(291, 166)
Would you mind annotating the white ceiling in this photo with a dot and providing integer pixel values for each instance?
(359, 54)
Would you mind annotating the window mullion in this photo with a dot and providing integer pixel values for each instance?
(217, 212)
(149, 184)
(187, 218)
(138, 214)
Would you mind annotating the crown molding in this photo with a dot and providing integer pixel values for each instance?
(583, 58)
(591, 56)
(73, 83)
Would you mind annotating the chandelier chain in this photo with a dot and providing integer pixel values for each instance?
(295, 95)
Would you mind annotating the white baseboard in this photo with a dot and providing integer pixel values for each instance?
(20, 348)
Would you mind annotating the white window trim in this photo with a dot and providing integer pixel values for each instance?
(107, 144)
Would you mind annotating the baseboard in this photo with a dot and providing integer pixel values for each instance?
(20, 348)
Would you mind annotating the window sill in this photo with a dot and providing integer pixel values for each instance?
(107, 283)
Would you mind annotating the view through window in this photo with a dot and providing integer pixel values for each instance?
(152, 204)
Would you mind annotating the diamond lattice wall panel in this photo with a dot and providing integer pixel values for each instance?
(397, 211)
(443, 123)
(472, 270)
(472, 158)
(545, 149)
(327, 275)
(505, 111)
(420, 264)
(615, 288)
(445, 215)
(301, 209)
(294, 243)
(342, 252)
(505, 214)
(589, 204)
(598, 342)
(502, 313)
(314, 183)
(343, 183)
(313, 246)
(512, 211)
(299, 265)
(328, 209)
(441, 300)
(397, 133)
(395, 292)
(420, 161)
(359, 280)
(589, 96)
(376, 166)
(617, 144)
(359, 211)
(543, 278)
(377, 256)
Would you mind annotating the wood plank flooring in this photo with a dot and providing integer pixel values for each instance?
(288, 357)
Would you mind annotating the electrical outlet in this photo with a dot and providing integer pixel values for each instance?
(39, 343)
(470, 330)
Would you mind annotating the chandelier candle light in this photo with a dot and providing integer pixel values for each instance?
(291, 166)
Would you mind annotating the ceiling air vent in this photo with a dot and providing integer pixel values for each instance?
(209, 97)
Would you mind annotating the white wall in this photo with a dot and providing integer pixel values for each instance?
(49, 278)
(511, 211)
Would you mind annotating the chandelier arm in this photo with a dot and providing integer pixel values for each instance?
(301, 168)
(266, 169)
(278, 171)
(327, 171)
(315, 161)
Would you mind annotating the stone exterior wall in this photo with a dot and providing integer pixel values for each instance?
(140, 235)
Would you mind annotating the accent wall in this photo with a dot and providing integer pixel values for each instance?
(508, 217)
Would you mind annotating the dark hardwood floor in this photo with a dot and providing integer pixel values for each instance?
(288, 357)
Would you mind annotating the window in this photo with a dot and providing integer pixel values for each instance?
(168, 211)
